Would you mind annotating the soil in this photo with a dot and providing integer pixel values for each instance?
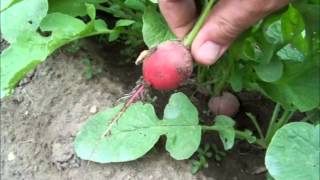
(40, 120)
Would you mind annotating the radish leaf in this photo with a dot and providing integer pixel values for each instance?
(137, 131)
(154, 29)
(294, 152)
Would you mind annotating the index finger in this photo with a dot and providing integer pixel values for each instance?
(179, 14)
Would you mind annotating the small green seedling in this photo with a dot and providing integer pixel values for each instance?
(201, 162)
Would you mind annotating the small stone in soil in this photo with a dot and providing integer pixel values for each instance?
(11, 156)
(93, 109)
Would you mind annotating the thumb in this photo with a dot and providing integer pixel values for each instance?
(225, 22)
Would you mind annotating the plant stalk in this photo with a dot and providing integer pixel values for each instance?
(239, 134)
(284, 119)
(254, 121)
(195, 30)
(271, 126)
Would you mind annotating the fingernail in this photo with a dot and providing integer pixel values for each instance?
(209, 52)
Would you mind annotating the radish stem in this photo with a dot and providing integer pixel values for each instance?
(195, 30)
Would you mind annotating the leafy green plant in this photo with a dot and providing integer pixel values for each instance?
(202, 155)
(35, 29)
(277, 57)
(90, 71)
(294, 152)
(138, 129)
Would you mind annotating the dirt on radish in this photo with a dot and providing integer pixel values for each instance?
(167, 66)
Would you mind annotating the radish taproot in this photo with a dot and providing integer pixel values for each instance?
(226, 104)
(167, 66)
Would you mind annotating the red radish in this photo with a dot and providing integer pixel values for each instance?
(227, 104)
(168, 66)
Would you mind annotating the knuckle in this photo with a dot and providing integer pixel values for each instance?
(228, 30)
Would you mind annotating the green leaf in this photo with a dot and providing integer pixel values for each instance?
(5, 4)
(131, 137)
(248, 136)
(62, 25)
(264, 52)
(100, 25)
(298, 87)
(31, 48)
(293, 153)
(21, 17)
(273, 33)
(236, 79)
(71, 7)
(183, 132)
(226, 130)
(124, 22)
(138, 129)
(292, 23)
(91, 11)
(135, 4)
(22, 56)
(290, 53)
(154, 29)
(114, 36)
(270, 72)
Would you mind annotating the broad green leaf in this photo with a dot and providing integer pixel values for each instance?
(298, 87)
(293, 153)
(5, 4)
(131, 137)
(293, 30)
(183, 132)
(310, 13)
(291, 23)
(226, 130)
(23, 16)
(62, 25)
(270, 72)
(138, 129)
(290, 53)
(154, 29)
(31, 48)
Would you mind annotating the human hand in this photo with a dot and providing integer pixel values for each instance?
(225, 22)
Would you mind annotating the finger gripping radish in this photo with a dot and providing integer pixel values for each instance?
(167, 66)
